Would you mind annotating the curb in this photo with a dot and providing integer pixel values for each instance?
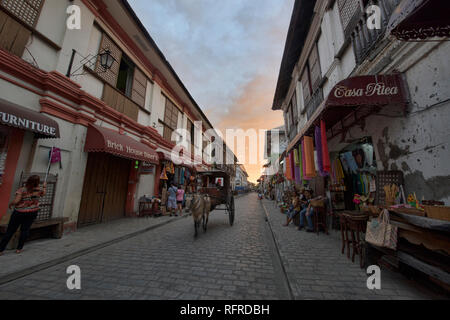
(282, 262)
(45, 265)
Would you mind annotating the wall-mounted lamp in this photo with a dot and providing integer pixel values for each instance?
(105, 57)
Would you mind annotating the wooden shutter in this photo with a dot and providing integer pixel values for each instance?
(110, 75)
(347, 10)
(305, 85)
(27, 11)
(13, 35)
(314, 66)
(170, 119)
(294, 106)
(139, 87)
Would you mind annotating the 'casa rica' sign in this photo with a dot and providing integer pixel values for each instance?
(368, 90)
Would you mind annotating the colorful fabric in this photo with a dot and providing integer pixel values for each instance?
(297, 163)
(300, 161)
(183, 170)
(351, 162)
(287, 172)
(298, 178)
(292, 166)
(318, 140)
(325, 152)
(309, 155)
(164, 174)
(305, 175)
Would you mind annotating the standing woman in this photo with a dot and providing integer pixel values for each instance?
(26, 208)
(180, 198)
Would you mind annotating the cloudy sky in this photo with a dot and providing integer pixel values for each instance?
(227, 53)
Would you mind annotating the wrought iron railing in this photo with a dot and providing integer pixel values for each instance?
(314, 102)
(364, 39)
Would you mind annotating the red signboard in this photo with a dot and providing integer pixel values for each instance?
(368, 90)
(101, 139)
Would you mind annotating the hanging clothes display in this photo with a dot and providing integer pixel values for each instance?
(292, 165)
(296, 157)
(182, 176)
(351, 163)
(164, 174)
(287, 166)
(298, 178)
(368, 153)
(318, 141)
(305, 174)
(325, 152)
(309, 155)
(300, 161)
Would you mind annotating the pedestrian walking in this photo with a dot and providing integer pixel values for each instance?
(180, 198)
(26, 208)
(172, 201)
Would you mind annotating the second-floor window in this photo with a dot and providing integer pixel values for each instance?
(27, 11)
(311, 81)
(171, 114)
(125, 76)
(18, 19)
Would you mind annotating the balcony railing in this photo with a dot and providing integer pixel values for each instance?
(115, 99)
(314, 102)
(364, 39)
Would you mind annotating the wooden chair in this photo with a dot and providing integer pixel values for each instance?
(320, 219)
(355, 224)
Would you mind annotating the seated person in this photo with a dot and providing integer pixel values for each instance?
(294, 209)
(308, 212)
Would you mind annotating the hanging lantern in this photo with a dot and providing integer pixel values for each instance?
(106, 59)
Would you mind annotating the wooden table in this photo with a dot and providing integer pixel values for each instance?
(424, 245)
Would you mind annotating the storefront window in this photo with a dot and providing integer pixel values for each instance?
(4, 138)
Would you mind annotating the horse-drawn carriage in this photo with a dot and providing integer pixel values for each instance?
(213, 193)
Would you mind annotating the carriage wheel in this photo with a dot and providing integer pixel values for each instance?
(231, 211)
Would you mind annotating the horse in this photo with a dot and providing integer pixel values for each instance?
(200, 206)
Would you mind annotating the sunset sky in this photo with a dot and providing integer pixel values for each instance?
(227, 53)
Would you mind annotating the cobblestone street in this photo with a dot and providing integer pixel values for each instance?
(239, 262)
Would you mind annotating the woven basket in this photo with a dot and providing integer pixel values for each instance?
(438, 212)
(317, 203)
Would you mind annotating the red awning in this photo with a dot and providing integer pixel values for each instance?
(23, 118)
(101, 139)
(420, 19)
(364, 94)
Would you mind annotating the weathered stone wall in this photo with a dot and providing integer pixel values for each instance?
(417, 143)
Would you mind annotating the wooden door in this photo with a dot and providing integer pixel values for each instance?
(104, 190)
(91, 206)
(116, 189)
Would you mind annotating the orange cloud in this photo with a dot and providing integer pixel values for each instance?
(252, 110)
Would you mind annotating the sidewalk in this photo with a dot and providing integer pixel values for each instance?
(316, 269)
(41, 254)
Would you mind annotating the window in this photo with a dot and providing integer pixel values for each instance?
(125, 77)
(347, 10)
(191, 130)
(307, 90)
(314, 68)
(27, 11)
(170, 120)
(148, 96)
(110, 75)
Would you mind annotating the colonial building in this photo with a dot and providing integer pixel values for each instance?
(104, 96)
(374, 76)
